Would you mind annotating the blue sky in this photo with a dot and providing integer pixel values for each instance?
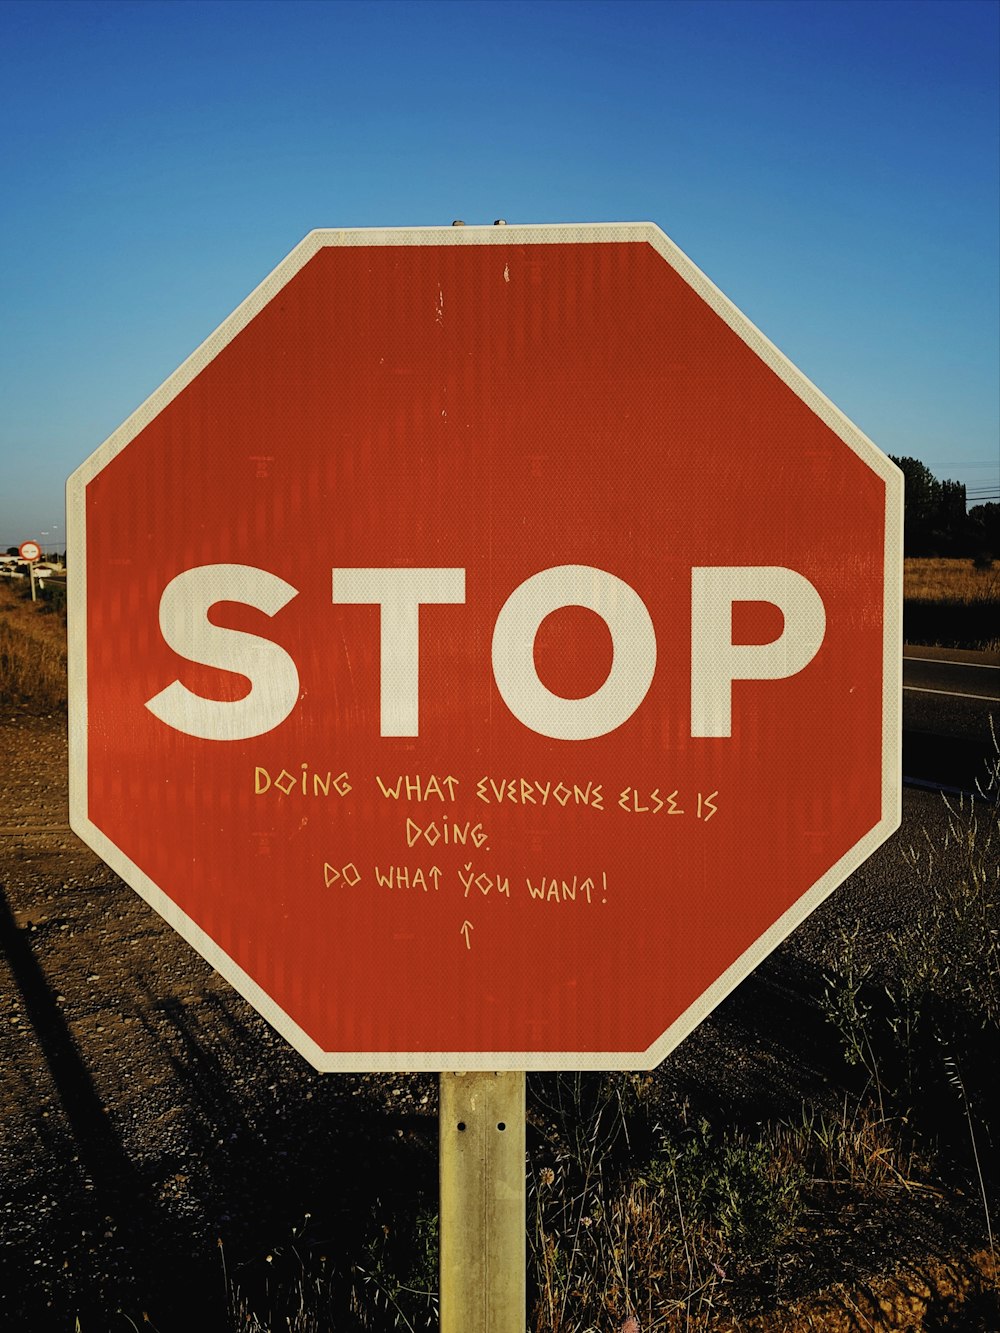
(832, 166)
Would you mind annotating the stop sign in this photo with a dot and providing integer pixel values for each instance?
(485, 648)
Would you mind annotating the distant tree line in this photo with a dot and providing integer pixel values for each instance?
(936, 521)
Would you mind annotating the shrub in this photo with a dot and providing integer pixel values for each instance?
(32, 655)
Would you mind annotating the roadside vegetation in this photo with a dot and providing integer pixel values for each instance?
(952, 603)
(952, 577)
(973, 584)
(32, 649)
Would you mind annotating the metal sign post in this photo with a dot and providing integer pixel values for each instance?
(483, 1252)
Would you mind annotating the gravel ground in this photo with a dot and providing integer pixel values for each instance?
(148, 1113)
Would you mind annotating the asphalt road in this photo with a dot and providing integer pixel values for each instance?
(949, 698)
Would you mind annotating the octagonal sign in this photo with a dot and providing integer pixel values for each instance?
(485, 648)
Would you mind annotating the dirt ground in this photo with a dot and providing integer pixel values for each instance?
(146, 1110)
(150, 1117)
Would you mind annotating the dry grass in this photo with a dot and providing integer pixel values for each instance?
(32, 653)
(951, 603)
(632, 1217)
(857, 1147)
(927, 580)
(694, 1238)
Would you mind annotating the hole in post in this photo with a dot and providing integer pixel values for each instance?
(501, 1126)
(461, 1127)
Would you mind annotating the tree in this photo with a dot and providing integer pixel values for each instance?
(935, 521)
(984, 524)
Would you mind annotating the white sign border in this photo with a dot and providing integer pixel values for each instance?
(443, 1061)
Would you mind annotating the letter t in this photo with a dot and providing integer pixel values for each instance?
(399, 594)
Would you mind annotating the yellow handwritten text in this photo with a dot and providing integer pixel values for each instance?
(637, 802)
(485, 883)
(524, 791)
(408, 877)
(450, 834)
(413, 787)
(550, 889)
(301, 783)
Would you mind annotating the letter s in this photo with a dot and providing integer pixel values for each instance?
(184, 624)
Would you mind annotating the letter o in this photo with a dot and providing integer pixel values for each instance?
(633, 661)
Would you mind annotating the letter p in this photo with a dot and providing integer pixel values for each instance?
(716, 661)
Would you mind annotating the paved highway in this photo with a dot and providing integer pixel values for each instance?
(949, 697)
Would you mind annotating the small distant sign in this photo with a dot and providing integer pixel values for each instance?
(30, 550)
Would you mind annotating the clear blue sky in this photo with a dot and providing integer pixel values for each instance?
(832, 166)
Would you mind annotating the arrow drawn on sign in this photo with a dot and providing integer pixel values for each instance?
(467, 926)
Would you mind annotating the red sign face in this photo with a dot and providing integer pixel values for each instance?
(485, 648)
(30, 551)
